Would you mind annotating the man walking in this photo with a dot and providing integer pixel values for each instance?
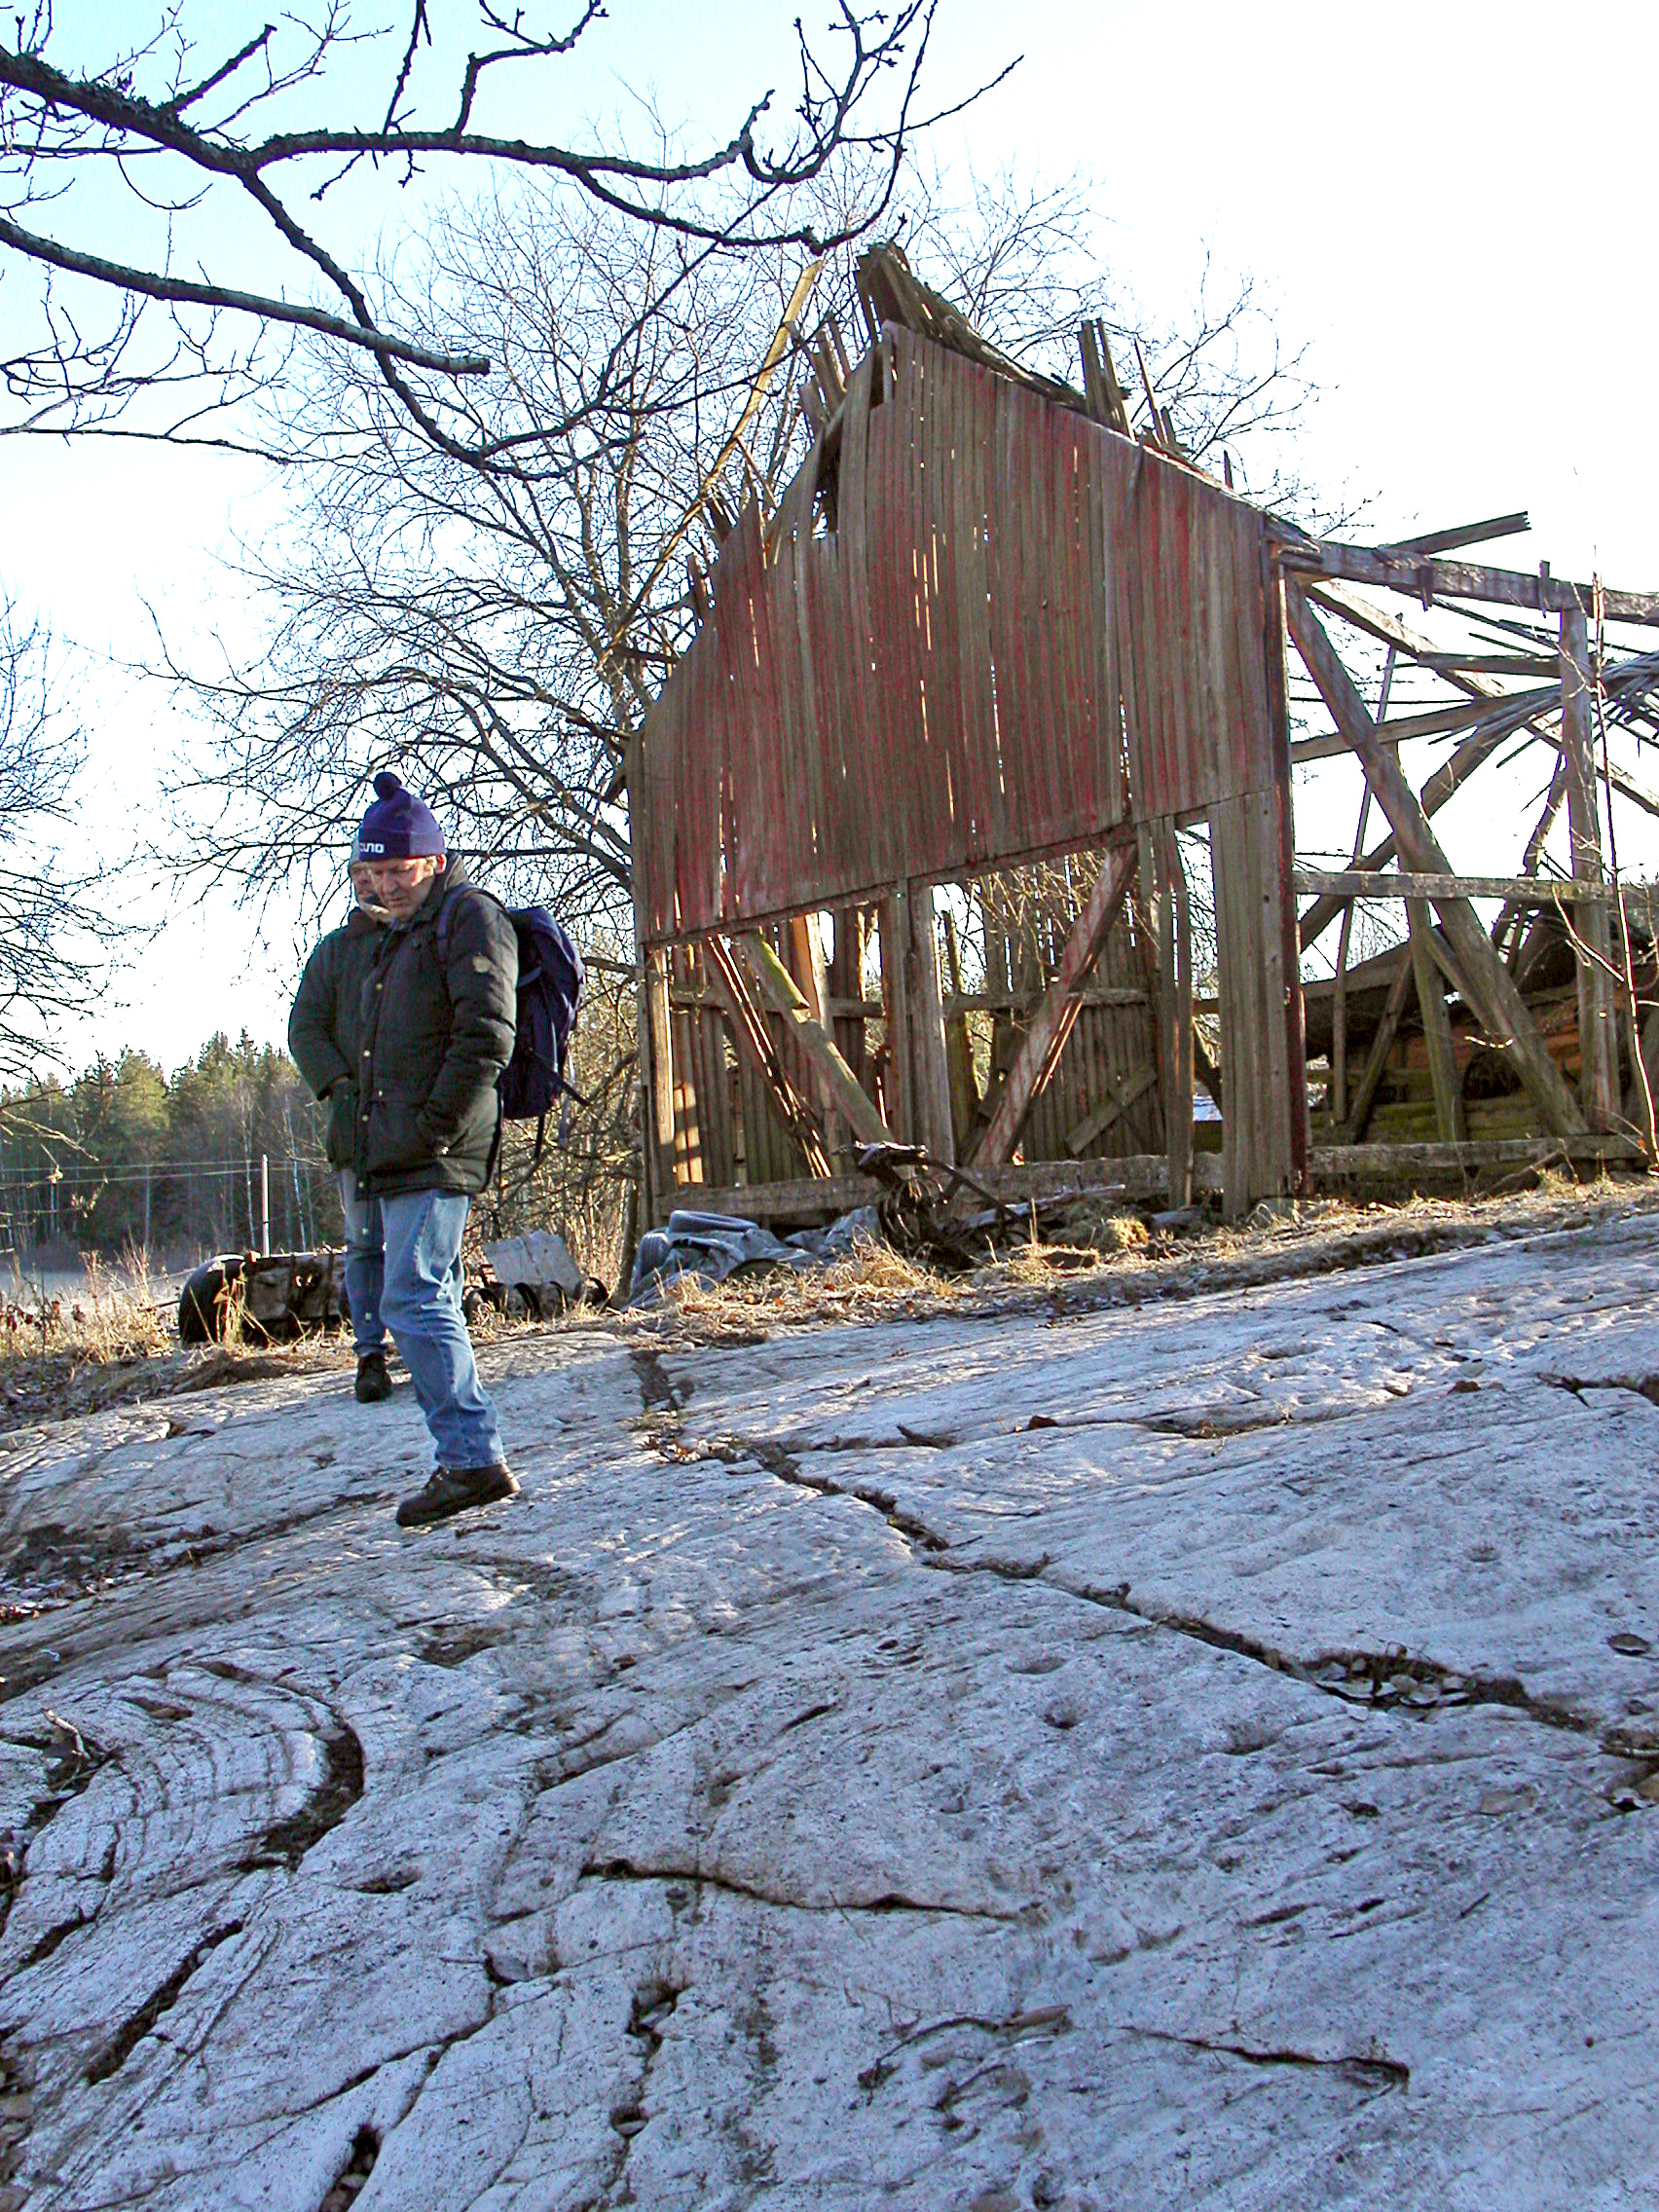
(403, 1021)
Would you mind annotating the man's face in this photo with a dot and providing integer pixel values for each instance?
(394, 888)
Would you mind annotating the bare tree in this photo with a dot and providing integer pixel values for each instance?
(53, 927)
(203, 148)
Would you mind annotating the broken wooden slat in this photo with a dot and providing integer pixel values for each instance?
(1464, 534)
(1044, 1041)
(1486, 983)
(959, 1047)
(921, 1037)
(779, 991)
(661, 1068)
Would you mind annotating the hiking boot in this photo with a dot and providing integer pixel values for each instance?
(373, 1381)
(452, 1489)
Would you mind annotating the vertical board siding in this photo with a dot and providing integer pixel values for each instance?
(1013, 599)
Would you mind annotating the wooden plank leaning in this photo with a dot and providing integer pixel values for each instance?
(1485, 982)
(1041, 1046)
(778, 991)
(754, 1040)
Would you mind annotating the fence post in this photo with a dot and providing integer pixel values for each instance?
(265, 1204)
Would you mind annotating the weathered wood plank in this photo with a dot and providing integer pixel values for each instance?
(1043, 1042)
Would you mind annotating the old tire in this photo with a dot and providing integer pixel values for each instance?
(202, 1303)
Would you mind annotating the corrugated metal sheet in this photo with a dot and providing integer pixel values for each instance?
(1012, 593)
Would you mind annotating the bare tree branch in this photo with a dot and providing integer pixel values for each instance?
(212, 127)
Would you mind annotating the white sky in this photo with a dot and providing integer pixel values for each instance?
(1446, 203)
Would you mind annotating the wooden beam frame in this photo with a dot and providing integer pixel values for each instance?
(1041, 1046)
(1483, 979)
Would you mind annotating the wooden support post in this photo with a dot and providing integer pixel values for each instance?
(779, 991)
(1045, 1040)
(915, 1022)
(1451, 1120)
(660, 1103)
(1484, 980)
(754, 1040)
(846, 984)
(959, 1050)
(1175, 1030)
(896, 1021)
(1598, 1042)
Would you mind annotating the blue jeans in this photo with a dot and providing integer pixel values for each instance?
(403, 1273)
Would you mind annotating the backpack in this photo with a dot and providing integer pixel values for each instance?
(551, 979)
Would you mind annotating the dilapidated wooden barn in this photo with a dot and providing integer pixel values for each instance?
(993, 652)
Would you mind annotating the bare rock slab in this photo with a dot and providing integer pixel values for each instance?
(1201, 1753)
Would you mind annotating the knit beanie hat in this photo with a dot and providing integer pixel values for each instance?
(398, 827)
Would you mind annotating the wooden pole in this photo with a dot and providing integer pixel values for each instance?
(1041, 1046)
(1485, 982)
(1597, 1038)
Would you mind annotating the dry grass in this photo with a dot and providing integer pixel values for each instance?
(116, 1342)
(116, 1316)
(873, 1283)
(1277, 1242)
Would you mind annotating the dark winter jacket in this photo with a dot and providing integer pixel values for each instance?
(405, 1046)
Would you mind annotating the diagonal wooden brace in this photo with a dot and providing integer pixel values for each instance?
(1045, 1040)
(753, 1040)
(842, 1088)
(1485, 982)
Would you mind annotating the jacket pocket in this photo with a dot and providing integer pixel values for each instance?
(342, 1124)
(395, 1142)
